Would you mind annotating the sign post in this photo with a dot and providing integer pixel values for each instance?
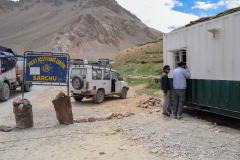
(46, 68)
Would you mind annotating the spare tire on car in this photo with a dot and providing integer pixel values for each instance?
(77, 82)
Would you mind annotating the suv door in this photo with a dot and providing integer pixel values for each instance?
(97, 78)
(106, 81)
(114, 79)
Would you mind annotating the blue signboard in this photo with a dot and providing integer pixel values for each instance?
(43, 68)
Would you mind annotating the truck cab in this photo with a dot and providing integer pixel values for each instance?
(11, 73)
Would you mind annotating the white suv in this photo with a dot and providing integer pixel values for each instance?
(93, 81)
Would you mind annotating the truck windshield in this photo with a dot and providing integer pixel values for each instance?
(79, 72)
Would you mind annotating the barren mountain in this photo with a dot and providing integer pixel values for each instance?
(83, 28)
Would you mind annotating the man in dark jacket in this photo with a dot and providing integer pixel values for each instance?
(165, 86)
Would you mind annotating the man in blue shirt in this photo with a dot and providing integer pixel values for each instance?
(180, 75)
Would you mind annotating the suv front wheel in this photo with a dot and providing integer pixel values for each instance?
(123, 94)
(99, 97)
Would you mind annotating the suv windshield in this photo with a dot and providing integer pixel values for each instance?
(79, 71)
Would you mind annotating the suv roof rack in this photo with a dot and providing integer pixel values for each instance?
(91, 63)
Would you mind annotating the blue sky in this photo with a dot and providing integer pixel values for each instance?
(165, 15)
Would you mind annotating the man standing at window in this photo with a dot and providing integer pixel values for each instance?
(165, 86)
(180, 75)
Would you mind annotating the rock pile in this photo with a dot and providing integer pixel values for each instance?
(149, 103)
(23, 113)
(104, 118)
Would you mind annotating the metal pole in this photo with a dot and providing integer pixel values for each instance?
(24, 72)
(68, 63)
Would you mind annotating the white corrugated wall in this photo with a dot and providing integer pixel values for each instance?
(208, 58)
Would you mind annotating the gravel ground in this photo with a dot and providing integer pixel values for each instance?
(145, 135)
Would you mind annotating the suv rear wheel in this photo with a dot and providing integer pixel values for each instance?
(99, 97)
(79, 99)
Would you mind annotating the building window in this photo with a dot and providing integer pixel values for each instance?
(179, 56)
(216, 34)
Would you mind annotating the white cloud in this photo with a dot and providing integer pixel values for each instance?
(158, 14)
(232, 3)
(208, 5)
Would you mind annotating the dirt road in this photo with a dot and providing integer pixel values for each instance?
(146, 135)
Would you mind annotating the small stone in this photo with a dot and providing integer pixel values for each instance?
(17, 101)
(113, 133)
(122, 148)
(117, 114)
(127, 114)
(150, 104)
(118, 130)
(81, 120)
(119, 117)
(98, 118)
(174, 155)
(91, 119)
(25, 102)
(101, 152)
(155, 150)
(157, 110)
(135, 138)
(5, 128)
(109, 115)
(20, 106)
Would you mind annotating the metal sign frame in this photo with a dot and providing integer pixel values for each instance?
(45, 54)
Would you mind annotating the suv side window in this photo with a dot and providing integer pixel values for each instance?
(106, 75)
(97, 74)
(114, 76)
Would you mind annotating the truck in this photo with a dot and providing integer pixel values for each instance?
(11, 73)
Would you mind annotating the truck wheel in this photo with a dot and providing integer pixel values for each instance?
(27, 88)
(5, 92)
(99, 97)
(79, 99)
(123, 94)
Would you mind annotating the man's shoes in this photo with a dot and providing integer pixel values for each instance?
(179, 117)
(169, 111)
(166, 114)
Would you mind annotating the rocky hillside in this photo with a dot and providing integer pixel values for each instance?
(83, 28)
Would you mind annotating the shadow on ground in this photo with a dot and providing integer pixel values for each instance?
(214, 118)
(91, 102)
